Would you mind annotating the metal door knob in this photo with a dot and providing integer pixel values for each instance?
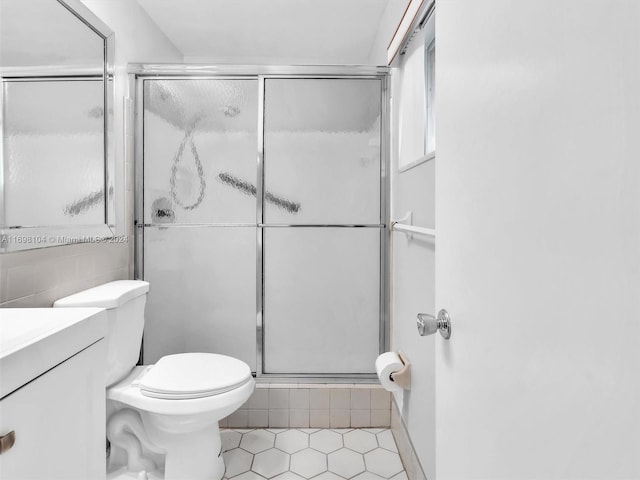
(428, 324)
(7, 441)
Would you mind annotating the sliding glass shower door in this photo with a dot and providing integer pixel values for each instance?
(264, 219)
(199, 222)
(322, 259)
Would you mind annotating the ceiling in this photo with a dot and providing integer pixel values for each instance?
(270, 31)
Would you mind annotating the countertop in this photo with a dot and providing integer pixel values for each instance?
(34, 340)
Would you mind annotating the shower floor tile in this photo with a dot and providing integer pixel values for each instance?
(359, 454)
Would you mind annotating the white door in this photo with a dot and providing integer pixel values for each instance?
(538, 252)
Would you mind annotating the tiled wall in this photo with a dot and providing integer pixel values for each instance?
(36, 278)
(314, 406)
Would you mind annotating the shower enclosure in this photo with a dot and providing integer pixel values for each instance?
(261, 216)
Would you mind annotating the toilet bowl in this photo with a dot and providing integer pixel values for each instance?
(175, 406)
(162, 418)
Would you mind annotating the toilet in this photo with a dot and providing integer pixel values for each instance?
(162, 419)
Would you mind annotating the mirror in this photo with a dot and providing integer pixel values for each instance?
(56, 157)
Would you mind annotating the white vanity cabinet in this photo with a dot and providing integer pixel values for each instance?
(52, 384)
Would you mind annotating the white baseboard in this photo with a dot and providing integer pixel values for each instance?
(405, 446)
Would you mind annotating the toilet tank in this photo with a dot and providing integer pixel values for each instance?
(124, 301)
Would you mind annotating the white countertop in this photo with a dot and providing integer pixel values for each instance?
(34, 340)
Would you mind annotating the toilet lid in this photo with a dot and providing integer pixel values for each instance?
(194, 375)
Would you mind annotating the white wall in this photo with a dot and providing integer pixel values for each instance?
(538, 220)
(412, 256)
(413, 286)
(138, 38)
(274, 32)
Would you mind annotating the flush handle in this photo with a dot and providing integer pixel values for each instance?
(428, 324)
(7, 441)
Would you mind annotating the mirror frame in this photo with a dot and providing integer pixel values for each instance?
(27, 237)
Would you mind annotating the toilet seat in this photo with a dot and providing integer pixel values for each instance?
(193, 375)
(127, 391)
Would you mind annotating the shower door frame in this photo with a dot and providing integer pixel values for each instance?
(138, 73)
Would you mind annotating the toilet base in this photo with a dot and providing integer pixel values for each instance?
(195, 454)
(123, 474)
(176, 438)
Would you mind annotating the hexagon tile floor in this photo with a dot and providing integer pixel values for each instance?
(305, 453)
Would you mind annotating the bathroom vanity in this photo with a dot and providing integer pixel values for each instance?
(52, 402)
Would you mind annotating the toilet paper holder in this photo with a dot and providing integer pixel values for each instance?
(402, 377)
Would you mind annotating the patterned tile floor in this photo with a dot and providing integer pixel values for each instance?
(305, 453)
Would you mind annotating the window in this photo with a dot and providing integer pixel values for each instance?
(430, 86)
(416, 105)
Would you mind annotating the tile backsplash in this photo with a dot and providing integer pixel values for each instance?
(313, 406)
(36, 278)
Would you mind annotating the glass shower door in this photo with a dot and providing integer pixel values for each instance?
(200, 138)
(322, 225)
(276, 262)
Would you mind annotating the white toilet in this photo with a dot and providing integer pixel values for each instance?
(163, 416)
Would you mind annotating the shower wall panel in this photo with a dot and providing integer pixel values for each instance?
(322, 263)
(200, 140)
(322, 151)
(202, 296)
(322, 288)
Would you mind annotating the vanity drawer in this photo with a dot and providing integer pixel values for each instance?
(58, 420)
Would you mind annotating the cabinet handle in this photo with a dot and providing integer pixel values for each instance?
(7, 441)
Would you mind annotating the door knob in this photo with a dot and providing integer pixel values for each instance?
(7, 441)
(428, 324)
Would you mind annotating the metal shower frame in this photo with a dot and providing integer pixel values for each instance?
(140, 72)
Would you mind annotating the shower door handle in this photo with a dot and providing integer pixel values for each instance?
(428, 324)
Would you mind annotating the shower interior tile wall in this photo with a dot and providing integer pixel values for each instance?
(313, 406)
